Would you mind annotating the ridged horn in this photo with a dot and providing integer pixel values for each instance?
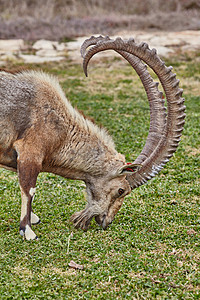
(155, 97)
(157, 151)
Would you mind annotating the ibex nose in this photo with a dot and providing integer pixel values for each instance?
(106, 222)
(101, 220)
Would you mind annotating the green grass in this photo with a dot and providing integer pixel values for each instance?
(151, 250)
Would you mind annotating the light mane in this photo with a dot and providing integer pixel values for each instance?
(83, 122)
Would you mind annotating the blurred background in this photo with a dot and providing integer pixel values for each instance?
(65, 19)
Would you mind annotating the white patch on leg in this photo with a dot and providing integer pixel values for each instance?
(24, 205)
(34, 218)
(32, 191)
(29, 233)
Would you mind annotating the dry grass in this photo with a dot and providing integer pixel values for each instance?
(81, 8)
(33, 19)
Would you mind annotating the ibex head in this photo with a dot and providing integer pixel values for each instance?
(106, 193)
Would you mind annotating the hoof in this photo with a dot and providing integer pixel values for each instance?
(28, 233)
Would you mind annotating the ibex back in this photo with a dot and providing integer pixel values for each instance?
(42, 132)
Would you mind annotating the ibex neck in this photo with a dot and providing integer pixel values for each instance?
(83, 152)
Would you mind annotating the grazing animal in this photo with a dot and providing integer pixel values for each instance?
(42, 132)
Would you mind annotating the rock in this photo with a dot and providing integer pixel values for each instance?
(74, 265)
(165, 41)
(190, 48)
(74, 47)
(11, 45)
(48, 45)
(7, 56)
(34, 59)
(166, 44)
(43, 44)
(47, 53)
(163, 51)
(60, 47)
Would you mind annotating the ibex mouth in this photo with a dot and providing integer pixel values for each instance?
(102, 221)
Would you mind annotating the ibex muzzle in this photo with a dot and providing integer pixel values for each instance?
(42, 132)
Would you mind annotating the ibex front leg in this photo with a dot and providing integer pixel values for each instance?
(28, 170)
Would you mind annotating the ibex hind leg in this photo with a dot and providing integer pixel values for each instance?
(28, 167)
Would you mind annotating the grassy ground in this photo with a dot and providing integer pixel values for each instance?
(151, 251)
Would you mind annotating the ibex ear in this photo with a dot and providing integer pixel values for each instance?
(129, 168)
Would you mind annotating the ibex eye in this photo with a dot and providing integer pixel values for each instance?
(120, 191)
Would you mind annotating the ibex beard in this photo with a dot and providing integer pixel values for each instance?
(105, 196)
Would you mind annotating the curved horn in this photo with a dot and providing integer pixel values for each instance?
(155, 97)
(92, 41)
(170, 138)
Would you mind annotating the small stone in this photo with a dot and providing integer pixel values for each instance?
(191, 232)
(34, 59)
(47, 53)
(173, 202)
(11, 45)
(43, 44)
(173, 252)
(74, 265)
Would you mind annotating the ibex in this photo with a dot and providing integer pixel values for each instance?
(42, 132)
